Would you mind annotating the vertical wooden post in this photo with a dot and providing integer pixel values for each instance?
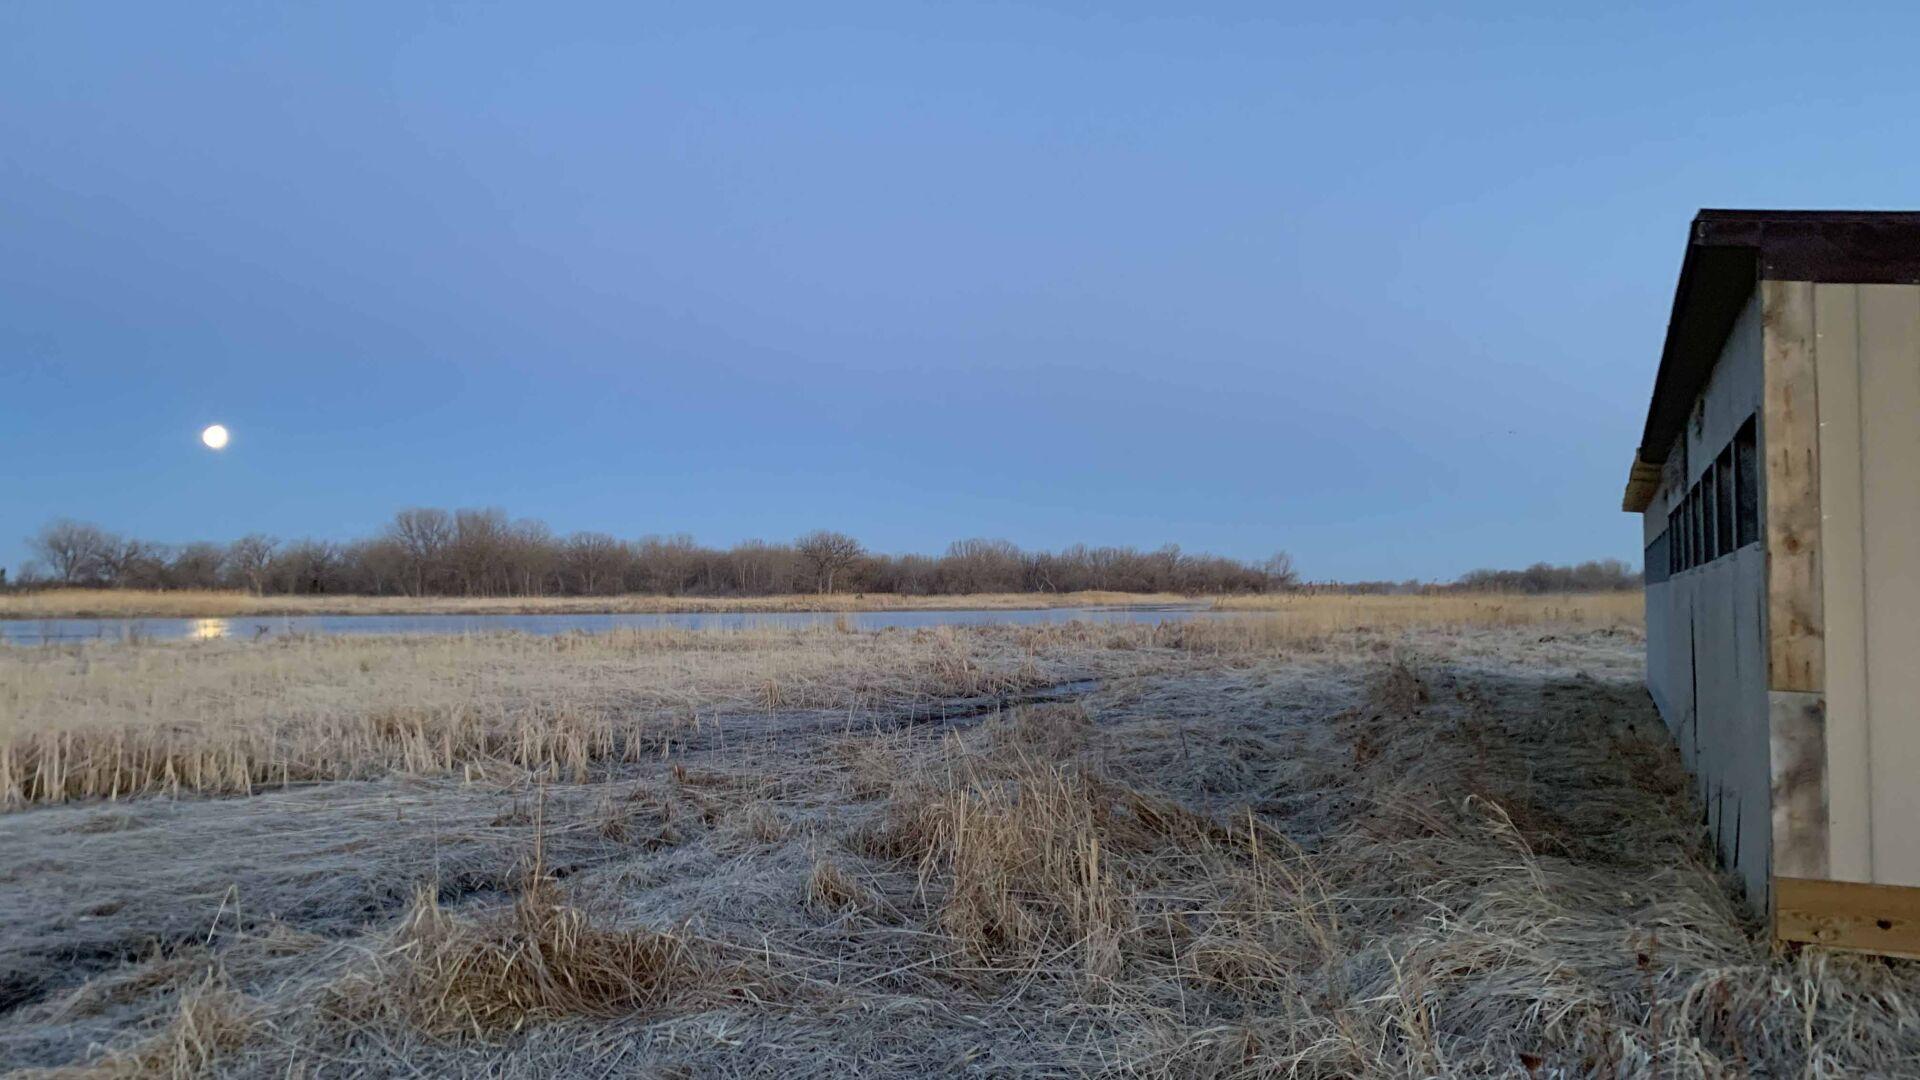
(1796, 644)
(1796, 639)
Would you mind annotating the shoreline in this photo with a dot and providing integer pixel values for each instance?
(105, 605)
(108, 604)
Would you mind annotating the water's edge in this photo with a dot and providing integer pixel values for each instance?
(261, 628)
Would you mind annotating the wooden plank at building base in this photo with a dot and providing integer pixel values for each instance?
(1882, 919)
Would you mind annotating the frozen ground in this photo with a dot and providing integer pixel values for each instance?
(1414, 853)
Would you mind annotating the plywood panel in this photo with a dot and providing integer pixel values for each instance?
(1796, 651)
(1843, 584)
(1848, 915)
(1889, 362)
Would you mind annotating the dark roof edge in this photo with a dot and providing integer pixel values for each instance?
(1728, 253)
(1865, 247)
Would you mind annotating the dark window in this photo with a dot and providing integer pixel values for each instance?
(1680, 535)
(1709, 505)
(1746, 487)
(1694, 536)
(1692, 527)
(1674, 565)
(1723, 499)
(1686, 526)
(1655, 566)
(1680, 541)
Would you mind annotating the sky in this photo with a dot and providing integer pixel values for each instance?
(1383, 286)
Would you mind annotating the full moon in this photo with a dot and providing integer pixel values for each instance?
(215, 436)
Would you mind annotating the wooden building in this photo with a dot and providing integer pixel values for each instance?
(1779, 482)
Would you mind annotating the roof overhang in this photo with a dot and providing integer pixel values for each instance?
(1728, 253)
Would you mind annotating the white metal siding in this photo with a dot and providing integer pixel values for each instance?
(1706, 649)
(1868, 364)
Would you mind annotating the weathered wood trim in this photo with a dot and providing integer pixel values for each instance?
(1796, 648)
(1852, 915)
(1797, 756)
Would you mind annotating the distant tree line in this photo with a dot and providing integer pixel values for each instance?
(431, 552)
(1597, 575)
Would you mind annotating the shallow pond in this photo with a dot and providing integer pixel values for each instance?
(252, 627)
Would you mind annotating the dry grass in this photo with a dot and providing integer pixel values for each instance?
(206, 604)
(112, 721)
(1510, 896)
(1439, 850)
(210, 1021)
(1322, 613)
(831, 888)
(107, 721)
(537, 962)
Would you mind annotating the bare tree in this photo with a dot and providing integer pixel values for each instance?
(249, 559)
(135, 564)
(826, 554)
(305, 567)
(478, 550)
(75, 552)
(1280, 572)
(981, 565)
(372, 567)
(195, 566)
(756, 567)
(595, 563)
(424, 534)
(665, 565)
(532, 555)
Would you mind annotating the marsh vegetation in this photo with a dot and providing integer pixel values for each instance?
(1402, 840)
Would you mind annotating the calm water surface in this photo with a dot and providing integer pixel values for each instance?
(260, 627)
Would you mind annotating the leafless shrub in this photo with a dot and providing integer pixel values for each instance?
(1397, 688)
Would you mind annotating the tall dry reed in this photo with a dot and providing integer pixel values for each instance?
(106, 721)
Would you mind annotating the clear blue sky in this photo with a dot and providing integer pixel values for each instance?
(1382, 286)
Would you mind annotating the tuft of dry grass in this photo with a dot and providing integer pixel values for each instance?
(832, 889)
(1023, 867)
(210, 1021)
(537, 962)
